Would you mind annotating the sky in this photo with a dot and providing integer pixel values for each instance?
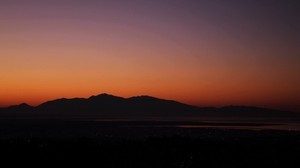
(200, 52)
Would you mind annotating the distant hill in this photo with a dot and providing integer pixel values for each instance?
(109, 106)
(21, 108)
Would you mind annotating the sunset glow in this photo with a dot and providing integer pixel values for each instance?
(205, 53)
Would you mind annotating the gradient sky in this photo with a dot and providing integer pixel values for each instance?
(201, 52)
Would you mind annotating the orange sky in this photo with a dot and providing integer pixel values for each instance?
(211, 57)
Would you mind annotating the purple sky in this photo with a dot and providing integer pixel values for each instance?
(202, 52)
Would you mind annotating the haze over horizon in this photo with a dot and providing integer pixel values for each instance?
(204, 53)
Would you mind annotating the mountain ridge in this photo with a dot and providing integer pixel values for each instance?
(138, 106)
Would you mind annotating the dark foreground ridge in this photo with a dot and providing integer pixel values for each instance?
(112, 144)
(139, 107)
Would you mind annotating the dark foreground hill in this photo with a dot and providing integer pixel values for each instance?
(147, 144)
(279, 149)
(107, 106)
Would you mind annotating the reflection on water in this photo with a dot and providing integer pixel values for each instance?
(244, 125)
(216, 123)
(289, 124)
(49, 128)
(289, 127)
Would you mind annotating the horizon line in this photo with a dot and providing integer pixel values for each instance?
(145, 95)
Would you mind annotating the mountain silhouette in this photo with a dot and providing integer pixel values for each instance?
(109, 106)
(105, 104)
(18, 108)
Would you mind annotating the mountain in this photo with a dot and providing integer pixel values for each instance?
(109, 106)
(18, 108)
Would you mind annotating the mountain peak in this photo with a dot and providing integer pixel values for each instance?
(22, 105)
(102, 95)
(143, 97)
